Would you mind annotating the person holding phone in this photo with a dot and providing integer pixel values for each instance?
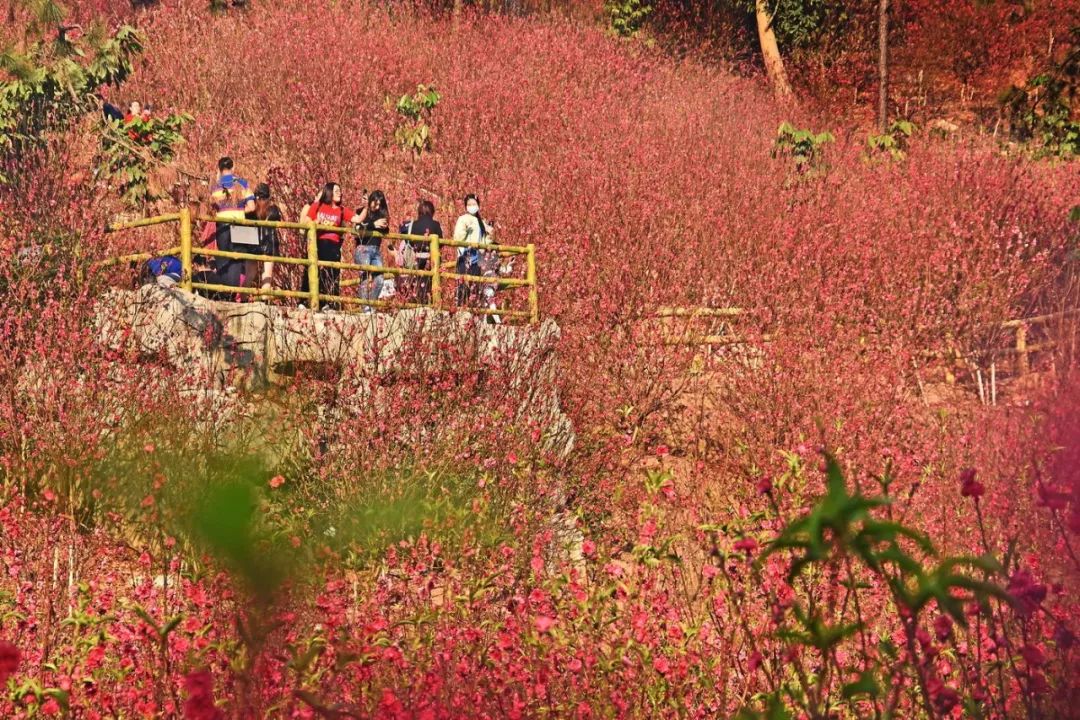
(372, 217)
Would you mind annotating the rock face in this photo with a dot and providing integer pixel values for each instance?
(255, 345)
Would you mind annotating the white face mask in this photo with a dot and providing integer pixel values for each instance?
(472, 209)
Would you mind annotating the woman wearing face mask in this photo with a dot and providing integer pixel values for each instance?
(469, 228)
(373, 217)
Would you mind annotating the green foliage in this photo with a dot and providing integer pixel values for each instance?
(893, 142)
(1042, 110)
(845, 526)
(799, 23)
(228, 523)
(406, 504)
(414, 134)
(51, 82)
(130, 151)
(627, 16)
(419, 104)
(805, 147)
(842, 524)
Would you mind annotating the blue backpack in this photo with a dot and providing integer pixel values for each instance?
(165, 265)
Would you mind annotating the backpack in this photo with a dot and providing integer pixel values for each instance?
(165, 265)
(407, 253)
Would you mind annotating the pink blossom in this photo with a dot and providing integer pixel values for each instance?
(1033, 655)
(544, 623)
(943, 627)
(969, 486)
(747, 545)
(9, 660)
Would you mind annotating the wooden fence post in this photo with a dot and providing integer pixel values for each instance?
(530, 277)
(185, 248)
(436, 280)
(313, 266)
(1023, 365)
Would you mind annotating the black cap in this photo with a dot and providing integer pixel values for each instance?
(262, 190)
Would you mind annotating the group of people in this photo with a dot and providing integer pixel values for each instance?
(232, 197)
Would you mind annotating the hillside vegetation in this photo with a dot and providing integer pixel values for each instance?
(790, 527)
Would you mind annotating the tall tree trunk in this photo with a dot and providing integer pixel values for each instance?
(770, 51)
(883, 66)
(458, 7)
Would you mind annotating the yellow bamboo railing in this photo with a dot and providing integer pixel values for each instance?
(313, 264)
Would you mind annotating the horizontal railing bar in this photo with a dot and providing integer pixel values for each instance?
(339, 230)
(138, 256)
(1038, 347)
(274, 224)
(696, 312)
(233, 255)
(349, 299)
(513, 249)
(1039, 318)
(509, 282)
(376, 269)
(144, 222)
(705, 340)
(495, 311)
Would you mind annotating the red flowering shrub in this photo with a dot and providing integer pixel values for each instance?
(402, 542)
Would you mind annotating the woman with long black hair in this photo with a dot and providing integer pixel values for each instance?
(470, 227)
(373, 217)
(327, 210)
(265, 209)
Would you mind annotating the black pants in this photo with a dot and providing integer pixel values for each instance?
(329, 278)
(422, 284)
(467, 292)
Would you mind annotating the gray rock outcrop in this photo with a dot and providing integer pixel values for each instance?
(225, 345)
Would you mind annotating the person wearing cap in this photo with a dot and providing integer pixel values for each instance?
(269, 244)
(232, 199)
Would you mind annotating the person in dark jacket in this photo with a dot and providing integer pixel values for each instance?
(269, 244)
(424, 224)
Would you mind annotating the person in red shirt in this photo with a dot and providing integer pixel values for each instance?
(134, 112)
(328, 210)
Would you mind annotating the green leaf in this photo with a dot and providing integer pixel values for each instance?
(146, 617)
(866, 685)
(61, 697)
(170, 626)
